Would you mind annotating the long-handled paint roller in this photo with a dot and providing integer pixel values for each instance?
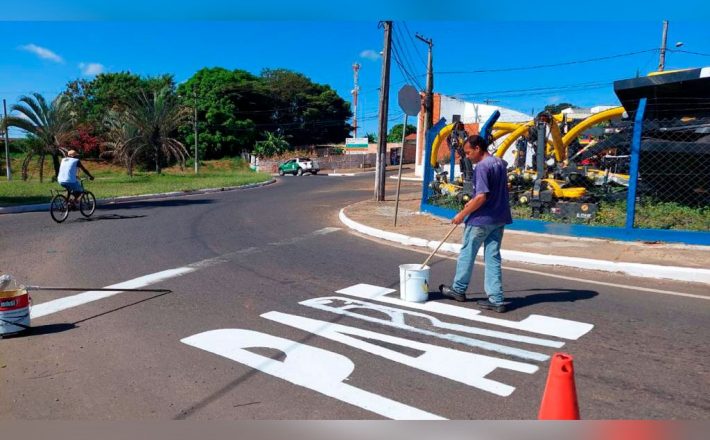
(438, 246)
(118, 289)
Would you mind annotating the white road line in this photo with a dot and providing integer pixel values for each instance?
(602, 283)
(57, 305)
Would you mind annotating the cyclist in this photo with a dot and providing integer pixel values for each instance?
(68, 173)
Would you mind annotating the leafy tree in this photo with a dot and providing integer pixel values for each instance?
(91, 101)
(155, 118)
(395, 134)
(306, 112)
(275, 143)
(230, 105)
(82, 139)
(371, 138)
(51, 123)
(556, 108)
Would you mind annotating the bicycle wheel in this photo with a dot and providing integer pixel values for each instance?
(87, 204)
(59, 208)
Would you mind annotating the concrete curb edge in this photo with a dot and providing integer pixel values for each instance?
(634, 269)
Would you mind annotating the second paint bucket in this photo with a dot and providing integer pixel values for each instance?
(414, 282)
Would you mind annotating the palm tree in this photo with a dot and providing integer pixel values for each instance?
(155, 117)
(50, 123)
(122, 140)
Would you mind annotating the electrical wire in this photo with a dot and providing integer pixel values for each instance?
(544, 66)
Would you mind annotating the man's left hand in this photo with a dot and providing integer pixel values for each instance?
(458, 218)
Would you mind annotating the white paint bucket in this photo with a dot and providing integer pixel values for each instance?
(414, 282)
(14, 311)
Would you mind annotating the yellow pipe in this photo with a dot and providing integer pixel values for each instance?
(500, 133)
(557, 141)
(589, 122)
(510, 126)
(521, 130)
(443, 133)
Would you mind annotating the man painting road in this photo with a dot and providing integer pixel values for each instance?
(485, 215)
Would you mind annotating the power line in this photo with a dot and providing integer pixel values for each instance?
(544, 66)
(414, 44)
(404, 49)
(689, 52)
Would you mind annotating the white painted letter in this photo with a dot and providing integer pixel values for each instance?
(310, 367)
(468, 368)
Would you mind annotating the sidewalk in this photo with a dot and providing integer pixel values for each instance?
(657, 260)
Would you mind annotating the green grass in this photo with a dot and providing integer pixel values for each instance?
(649, 214)
(113, 182)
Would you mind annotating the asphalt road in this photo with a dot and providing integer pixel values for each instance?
(244, 254)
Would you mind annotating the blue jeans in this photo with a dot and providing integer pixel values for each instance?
(490, 236)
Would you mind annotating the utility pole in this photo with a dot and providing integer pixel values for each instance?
(381, 162)
(356, 89)
(194, 95)
(664, 38)
(429, 101)
(7, 141)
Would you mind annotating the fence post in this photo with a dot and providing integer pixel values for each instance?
(429, 136)
(634, 165)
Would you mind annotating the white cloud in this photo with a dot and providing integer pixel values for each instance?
(554, 99)
(42, 52)
(370, 55)
(91, 69)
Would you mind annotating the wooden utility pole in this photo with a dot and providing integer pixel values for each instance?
(381, 162)
(664, 38)
(429, 101)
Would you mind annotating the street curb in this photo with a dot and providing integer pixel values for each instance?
(101, 202)
(411, 179)
(688, 274)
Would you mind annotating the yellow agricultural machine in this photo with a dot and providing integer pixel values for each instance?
(553, 181)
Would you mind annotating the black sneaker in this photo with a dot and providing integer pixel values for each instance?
(451, 293)
(487, 305)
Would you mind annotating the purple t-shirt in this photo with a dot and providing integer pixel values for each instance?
(491, 178)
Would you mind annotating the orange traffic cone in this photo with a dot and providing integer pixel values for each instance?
(559, 402)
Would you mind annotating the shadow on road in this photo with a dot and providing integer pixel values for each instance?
(163, 203)
(516, 302)
(549, 296)
(107, 217)
(40, 330)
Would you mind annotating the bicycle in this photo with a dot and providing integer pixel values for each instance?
(61, 204)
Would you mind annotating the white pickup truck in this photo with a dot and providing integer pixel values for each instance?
(298, 166)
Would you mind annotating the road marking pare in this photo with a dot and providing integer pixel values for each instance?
(324, 371)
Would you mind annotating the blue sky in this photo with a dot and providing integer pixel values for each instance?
(43, 56)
